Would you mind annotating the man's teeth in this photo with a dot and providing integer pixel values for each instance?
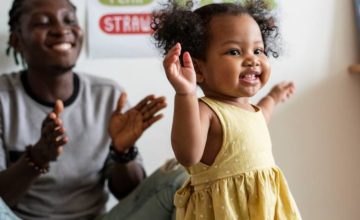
(62, 47)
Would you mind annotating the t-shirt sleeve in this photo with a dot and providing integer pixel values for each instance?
(2, 147)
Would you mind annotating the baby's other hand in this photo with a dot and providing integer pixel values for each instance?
(282, 91)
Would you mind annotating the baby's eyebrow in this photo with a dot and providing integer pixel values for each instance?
(231, 42)
(240, 42)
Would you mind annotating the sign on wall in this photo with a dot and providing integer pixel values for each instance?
(120, 28)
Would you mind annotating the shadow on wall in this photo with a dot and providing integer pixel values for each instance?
(317, 144)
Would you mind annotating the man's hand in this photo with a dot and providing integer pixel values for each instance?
(50, 144)
(126, 128)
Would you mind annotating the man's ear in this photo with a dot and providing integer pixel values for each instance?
(198, 66)
(14, 42)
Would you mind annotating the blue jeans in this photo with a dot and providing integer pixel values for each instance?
(152, 199)
(6, 213)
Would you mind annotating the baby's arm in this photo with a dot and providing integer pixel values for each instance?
(279, 93)
(189, 128)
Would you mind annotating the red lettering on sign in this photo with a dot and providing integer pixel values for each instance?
(126, 23)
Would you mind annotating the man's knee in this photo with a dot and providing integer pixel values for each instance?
(173, 173)
(165, 194)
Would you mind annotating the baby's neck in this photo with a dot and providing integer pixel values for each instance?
(242, 102)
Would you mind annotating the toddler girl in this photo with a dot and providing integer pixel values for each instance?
(221, 138)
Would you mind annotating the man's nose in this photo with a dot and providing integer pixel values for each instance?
(60, 29)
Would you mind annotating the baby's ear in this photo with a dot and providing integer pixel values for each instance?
(198, 70)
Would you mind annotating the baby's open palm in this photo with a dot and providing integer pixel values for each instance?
(182, 78)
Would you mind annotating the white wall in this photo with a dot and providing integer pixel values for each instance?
(316, 135)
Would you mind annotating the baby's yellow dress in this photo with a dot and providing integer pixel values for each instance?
(243, 182)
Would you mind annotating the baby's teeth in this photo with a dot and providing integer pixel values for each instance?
(250, 76)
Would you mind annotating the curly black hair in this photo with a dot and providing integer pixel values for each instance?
(178, 23)
(17, 9)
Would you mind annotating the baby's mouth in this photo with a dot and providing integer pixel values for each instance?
(252, 77)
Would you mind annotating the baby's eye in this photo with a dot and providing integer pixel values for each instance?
(234, 52)
(258, 51)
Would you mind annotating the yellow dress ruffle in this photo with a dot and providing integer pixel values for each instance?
(243, 182)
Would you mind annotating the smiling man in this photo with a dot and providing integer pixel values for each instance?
(65, 136)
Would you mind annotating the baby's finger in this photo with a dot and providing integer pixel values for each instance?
(175, 50)
(292, 87)
(187, 60)
(172, 57)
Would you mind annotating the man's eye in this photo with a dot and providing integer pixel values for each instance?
(71, 21)
(258, 51)
(41, 22)
(234, 52)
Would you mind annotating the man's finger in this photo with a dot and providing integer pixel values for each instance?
(153, 104)
(152, 120)
(59, 107)
(144, 102)
(121, 102)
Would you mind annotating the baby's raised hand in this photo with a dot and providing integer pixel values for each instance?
(50, 144)
(282, 91)
(182, 78)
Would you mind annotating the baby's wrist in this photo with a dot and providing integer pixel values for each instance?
(184, 94)
(270, 97)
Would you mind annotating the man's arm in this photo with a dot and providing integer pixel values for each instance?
(16, 180)
(125, 128)
(125, 177)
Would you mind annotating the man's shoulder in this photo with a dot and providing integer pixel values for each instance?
(9, 81)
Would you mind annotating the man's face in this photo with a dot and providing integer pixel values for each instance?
(49, 35)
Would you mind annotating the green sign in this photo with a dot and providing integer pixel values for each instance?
(125, 2)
